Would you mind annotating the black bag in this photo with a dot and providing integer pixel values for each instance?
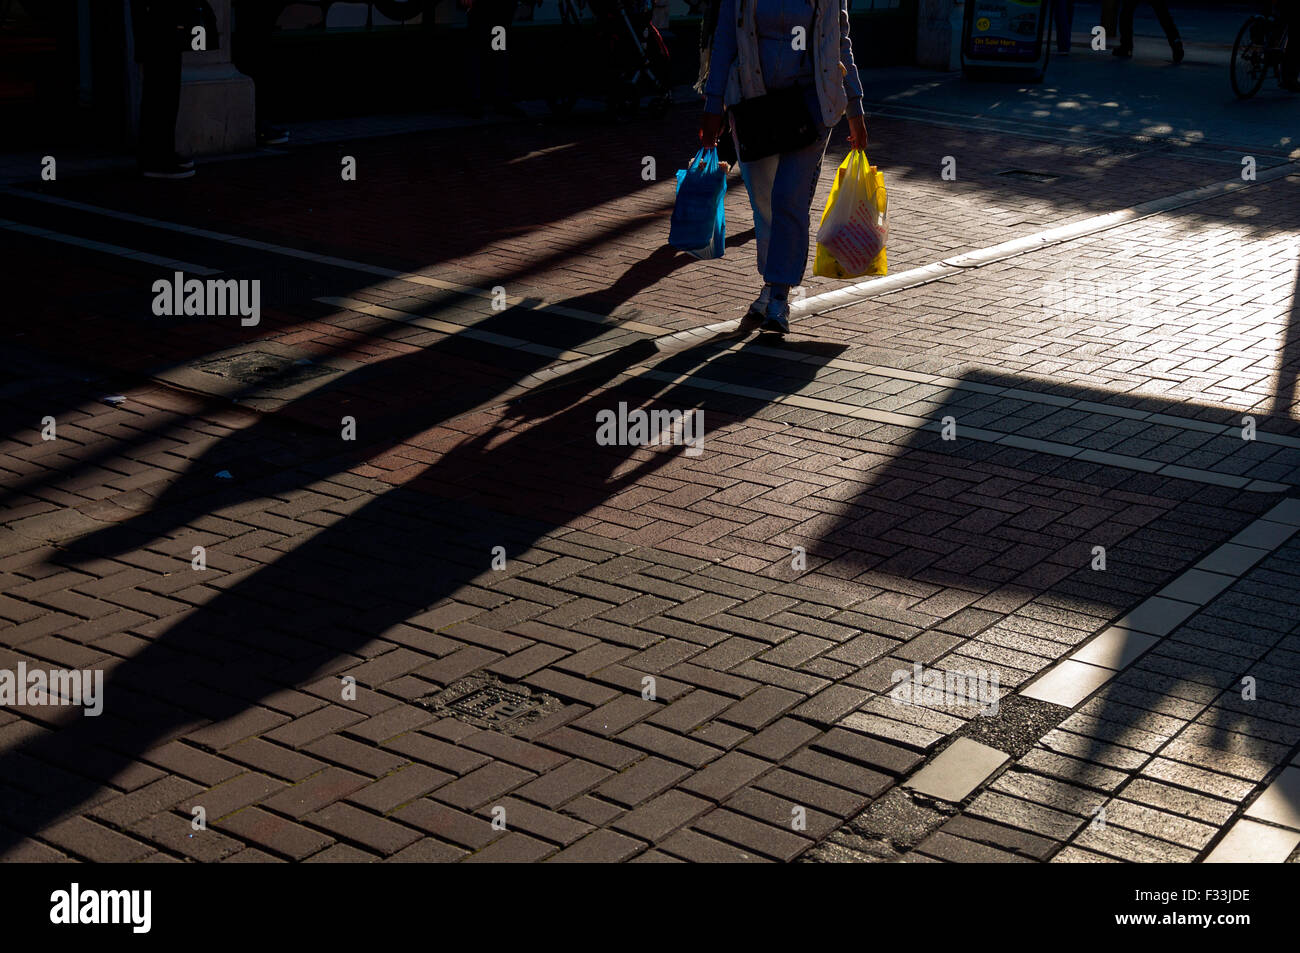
(776, 122)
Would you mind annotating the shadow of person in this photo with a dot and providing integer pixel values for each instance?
(310, 613)
(392, 401)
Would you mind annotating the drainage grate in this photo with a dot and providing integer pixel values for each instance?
(265, 370)
(486, 703)
(1030, 174)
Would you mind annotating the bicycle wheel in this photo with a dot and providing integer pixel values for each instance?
(1249, 63)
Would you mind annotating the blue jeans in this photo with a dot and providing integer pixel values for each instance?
(781, 190)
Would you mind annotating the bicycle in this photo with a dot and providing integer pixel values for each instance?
(1260, 48)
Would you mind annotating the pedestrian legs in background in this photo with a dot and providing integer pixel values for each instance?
(1161, 9)
(1290, 14)
(489, 67)
(1063, 14)
(158, 39)
(254, 21)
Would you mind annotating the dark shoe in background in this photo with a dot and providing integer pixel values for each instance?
(268, 135)
(1177, 47)
(1124, 52)
(170, 167)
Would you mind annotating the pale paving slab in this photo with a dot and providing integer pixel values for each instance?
(1233, 559)
(1158, 615)
(1067, 683)
(1280, 802)
(958, 770)
(1252, 843)
(1115, 648)
(1197, 586)
(1264, 533)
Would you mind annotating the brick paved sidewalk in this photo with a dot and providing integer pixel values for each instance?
(693, 656)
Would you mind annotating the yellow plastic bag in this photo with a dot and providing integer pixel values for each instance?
(855, 225)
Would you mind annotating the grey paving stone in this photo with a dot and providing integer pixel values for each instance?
(957, 770)
(1232, 559)
(1158, 615)
(1264, 534)
(1197, 586)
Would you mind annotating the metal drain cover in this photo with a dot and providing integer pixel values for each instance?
(265, 370)
(486, 703)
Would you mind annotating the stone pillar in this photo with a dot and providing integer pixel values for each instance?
(217, 101)
(935, 40)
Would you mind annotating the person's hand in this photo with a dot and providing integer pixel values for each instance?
(857, 132)
(710, 129)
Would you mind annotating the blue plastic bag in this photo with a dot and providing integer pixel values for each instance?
(699, 225)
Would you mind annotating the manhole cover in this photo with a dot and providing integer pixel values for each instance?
(265, 370)
(1030, 174)
(486, 703)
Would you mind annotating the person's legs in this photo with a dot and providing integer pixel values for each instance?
(1126, 10)
(490, 68)
(1161, 7)
(504, 16)
(479, 33)
(1291, 61)
(160, 95)
(1064, 14)
(254, 23)
(759, 177)
(1166, 19)
(793, 188)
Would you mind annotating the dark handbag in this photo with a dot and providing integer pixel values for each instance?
(775, 122)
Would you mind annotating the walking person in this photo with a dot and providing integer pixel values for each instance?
(1161, 9)
(757, 51)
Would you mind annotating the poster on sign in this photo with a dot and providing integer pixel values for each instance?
(1005, 35)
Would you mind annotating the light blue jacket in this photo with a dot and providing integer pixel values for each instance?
(735, 73)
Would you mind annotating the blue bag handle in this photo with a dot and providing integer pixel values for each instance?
(708, 159)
